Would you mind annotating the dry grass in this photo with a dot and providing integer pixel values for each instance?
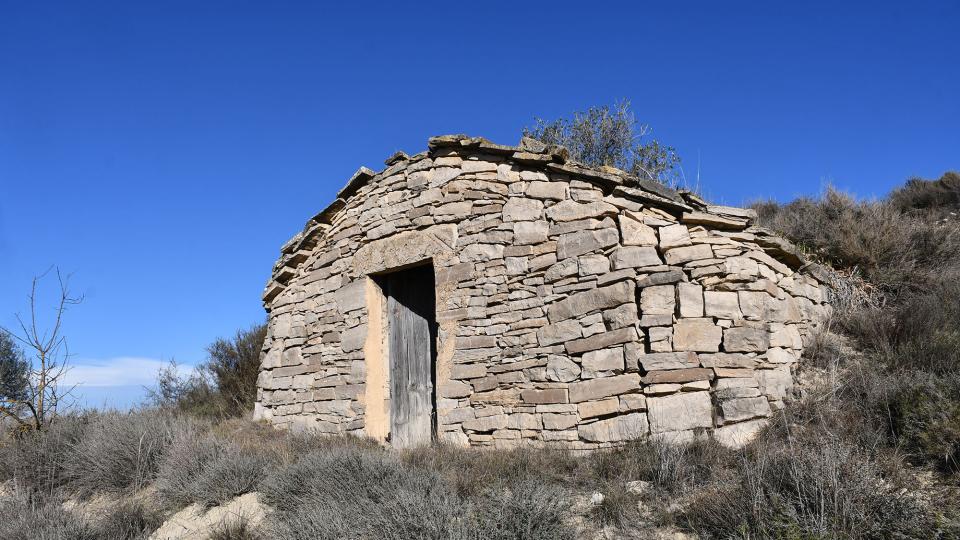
(360, 492)
(843, 462)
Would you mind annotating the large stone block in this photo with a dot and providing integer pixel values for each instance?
(560, 332)
(661, 278)
(636, 233)
(352, 339)
(678, 412)
(670, 360)
(603, 340)
(350, 296)
(658, 300)
(583, 303)
(529, 232)
(593, 264)
(721, 304)
(604, 360)
(673, 236)
(690, 296)
(785, 310)
(547, 190)
(560, 270)
(505, 396)
(477, 165)
(569, 210)
(713, 220)
(621, 316)
(677, 376)
(476, 342)
(754, 304)
(634, 257)
(774, 382)
(562, 369)
(516, 266)
(581, 242)
(554, 421)
(697, 335)
(272, 357)
(604, 407)
(522, 209)
(776, 355)
(605, 387)
(487, 423)
(468, 371)
(621, 428)
(742, 267)
(550, 395)
(787, 336)
(457, 209)
(738, 435)
(735, 410)
(455, 389)
(727, 360)
(745, 339)
(681, 255)
(482, 252)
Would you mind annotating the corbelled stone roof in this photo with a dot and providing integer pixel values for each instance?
(536, 154)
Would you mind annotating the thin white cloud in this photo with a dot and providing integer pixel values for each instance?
(120, 371)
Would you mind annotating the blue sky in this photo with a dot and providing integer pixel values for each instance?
(163, 151)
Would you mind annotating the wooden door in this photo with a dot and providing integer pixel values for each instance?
(411, 323)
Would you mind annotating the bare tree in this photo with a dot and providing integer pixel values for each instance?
(36, 402)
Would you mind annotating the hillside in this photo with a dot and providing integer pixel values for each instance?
(867, 447)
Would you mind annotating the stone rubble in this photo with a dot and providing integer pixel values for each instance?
(577, 308)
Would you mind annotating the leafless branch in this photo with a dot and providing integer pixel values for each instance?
(50, 356)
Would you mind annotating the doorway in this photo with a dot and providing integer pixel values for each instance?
(411, 321)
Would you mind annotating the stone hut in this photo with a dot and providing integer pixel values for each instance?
(492, 295)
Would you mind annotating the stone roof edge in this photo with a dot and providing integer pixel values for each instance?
(530, 151)
(533, 152)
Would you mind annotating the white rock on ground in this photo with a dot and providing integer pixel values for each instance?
(193, 523)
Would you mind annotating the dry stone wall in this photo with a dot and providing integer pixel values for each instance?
(577, 307)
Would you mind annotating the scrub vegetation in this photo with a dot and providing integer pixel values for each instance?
(868, 447)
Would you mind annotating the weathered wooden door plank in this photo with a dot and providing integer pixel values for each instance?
(411, 318)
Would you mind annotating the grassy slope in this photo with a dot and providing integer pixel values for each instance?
(869, 450)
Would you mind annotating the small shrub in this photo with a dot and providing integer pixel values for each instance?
(893, 250)
(611, 136)
(345, 492)
(187, 458)
(186, 462)
(924, 416)
(618, 508)
(26, 517)
(919, 194)
(234, 366)
(234, 529)
(37, 460)
(926, 335)
(669, 467)
(817, 488)
(200, 467)
(120, 452)
(14, 372)
(471, 471)
(527, 508)
(234, 472)
(128, 520)
(223, 386)
(824, 350)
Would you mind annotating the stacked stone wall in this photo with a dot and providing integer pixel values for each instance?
(577, 307)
